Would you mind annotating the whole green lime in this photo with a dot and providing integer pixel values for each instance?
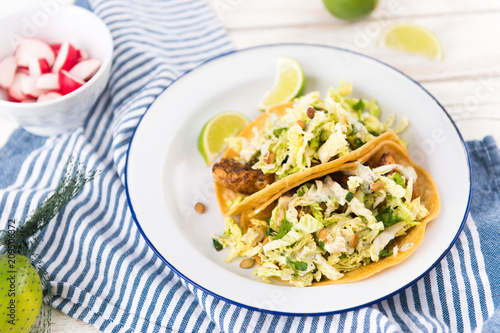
(350, 9)
(20, 294)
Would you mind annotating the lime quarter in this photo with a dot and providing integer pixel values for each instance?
(223, 125)
(412, 38)
(289, 83)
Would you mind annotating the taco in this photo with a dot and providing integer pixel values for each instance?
(339, 225)
(297, 139)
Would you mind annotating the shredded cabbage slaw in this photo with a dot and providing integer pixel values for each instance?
(339, 125)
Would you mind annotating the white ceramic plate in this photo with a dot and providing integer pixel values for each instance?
(166, 176)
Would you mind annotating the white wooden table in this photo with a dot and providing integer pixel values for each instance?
(467, 82)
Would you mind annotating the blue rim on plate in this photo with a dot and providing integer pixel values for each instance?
(466, 214)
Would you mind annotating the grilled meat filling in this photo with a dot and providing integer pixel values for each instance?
(240, 177)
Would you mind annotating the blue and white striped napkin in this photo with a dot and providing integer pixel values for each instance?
(104, 273)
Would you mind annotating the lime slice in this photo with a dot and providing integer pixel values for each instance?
(350, 9)
(412, 38)
(224, 125)
(288, 84)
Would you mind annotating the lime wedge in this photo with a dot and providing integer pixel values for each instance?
(223, 125)
(288, 84)
(412, 38)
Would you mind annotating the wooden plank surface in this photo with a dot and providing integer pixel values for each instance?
(467, 82)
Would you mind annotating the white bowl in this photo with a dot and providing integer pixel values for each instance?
(56, 24)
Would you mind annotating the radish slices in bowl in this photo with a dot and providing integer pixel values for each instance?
(39, 72)
(56, 72)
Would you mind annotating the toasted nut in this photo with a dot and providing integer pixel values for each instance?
(377, 186)
(354, 240)
(247, 263)
(301, 124)
(323, 234)
(269, 157)
(199, 208)
(311, 112)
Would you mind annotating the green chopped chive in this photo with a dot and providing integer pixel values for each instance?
(217, 245)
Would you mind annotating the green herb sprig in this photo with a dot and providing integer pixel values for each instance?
(27, 236)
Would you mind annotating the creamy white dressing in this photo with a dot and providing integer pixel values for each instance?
(407, 172)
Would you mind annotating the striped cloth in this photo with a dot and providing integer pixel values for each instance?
(102, 270)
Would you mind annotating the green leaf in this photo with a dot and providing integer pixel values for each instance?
(384, 253)
(359, 106)
(358, 143)
(285, 227)
(353, 131)
(388, 217)
(218, 246)
(303, 190)
(277, 132)
(349, 196)
(399, 179)
(296, 265)
(270, 231)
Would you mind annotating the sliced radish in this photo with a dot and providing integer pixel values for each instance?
(29, 100)
(49, 81)
(8, 68)
(15, 89)
(30, 48)
(84, 70)
(28, 87)
(38, 67)
(83, 55)
(55, 47)
(66, 58)
(49, 96)
(68, 82)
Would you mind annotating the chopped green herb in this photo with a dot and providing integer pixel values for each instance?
(349, 196)
(277, 132)
(303, 189)
(296, 265)
(285, 227)
(388, 217)
(218, 246)
(399, 179)
(367, 261)
(353, 131)
(385, 253)
(270, 232)
(359, 106)
(321, 245)
(358, 142)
